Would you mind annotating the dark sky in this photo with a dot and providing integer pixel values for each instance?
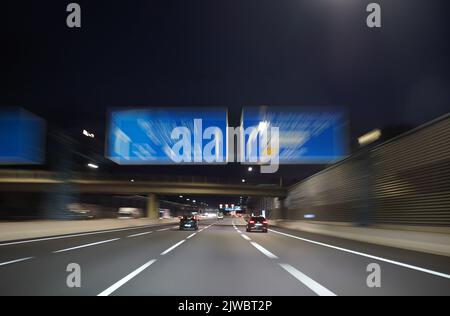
(227, 53)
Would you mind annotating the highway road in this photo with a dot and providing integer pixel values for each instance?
(221, 259)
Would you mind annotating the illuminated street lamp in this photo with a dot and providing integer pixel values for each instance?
(87, 134)
(243, 181)
(250, 169)
(92, 166)
(370, 137)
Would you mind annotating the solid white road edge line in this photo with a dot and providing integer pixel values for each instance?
(310, 283)
(126, 279)
(245, 237)
(400, 264)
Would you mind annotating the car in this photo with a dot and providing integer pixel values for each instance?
(257, 223)
(129, 213)
(220, 216)
(80, 212)
(188, 223)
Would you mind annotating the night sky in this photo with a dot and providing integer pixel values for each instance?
(227, 53)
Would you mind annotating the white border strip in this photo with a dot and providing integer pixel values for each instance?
(400, 264)
(88, 245)
(141, 234)
(264, 250)
(190, 236)
(173, 247)
(74, 235)
(245, 237)
(15, 261)
(306, 280)
(126, 279)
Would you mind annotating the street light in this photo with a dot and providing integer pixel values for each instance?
(370, 137)
(87, 134)
(243, 180)
(250, 169)
(92, 166)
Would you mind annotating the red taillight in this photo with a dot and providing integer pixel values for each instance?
(266, 222)
(251, 222)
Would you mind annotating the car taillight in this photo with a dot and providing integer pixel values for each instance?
(252, 222)
(265, 222)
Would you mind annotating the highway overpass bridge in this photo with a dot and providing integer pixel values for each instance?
(42, 181)
(38, 181)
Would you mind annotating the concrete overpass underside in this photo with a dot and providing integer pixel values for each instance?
(122, 187)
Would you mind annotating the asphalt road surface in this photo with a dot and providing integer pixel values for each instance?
(221, 259)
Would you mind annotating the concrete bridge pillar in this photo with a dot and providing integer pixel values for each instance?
(152, 206)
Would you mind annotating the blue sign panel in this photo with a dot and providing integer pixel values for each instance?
(305, 135)
(21, 137)
(168, 136)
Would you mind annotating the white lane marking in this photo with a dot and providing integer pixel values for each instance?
(72, 236)
(126, 279)
(15, 261)
(310, 283)
(264, 250)
(245, 237)
(400, 264)
(164, 229)
(172, 248)
(141, 234)
(190, 236)
(87, 245)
